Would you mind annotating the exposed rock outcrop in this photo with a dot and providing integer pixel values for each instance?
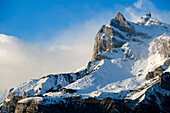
(108, 38)
(157, 71)
(10, 103)
(148, 14)
(165, 80)
(73, 105)
(148, 20)
(120, 22)
(114, 36)
(167, 62)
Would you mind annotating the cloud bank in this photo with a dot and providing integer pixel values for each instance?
(21, 61)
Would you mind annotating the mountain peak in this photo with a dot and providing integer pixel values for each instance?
(119, 17)
(148, 14)
(120, 22)
(148, 20)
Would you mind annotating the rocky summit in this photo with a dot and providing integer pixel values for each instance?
(129, 73)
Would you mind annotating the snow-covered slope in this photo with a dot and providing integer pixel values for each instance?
(124, 53)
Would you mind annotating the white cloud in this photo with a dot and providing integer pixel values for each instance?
(21, 61)
(138, 4)
(141, 7)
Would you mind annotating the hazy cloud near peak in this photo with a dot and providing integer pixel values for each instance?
(141, 7)
(138, 4)
(21, 61)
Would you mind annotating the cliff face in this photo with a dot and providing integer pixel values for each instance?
(106, 39)
(129, 72)
(114, 35)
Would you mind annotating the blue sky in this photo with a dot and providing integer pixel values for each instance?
(27, 19)
(40, 20)
(54, 36)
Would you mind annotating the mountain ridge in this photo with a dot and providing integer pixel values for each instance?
(129, 71)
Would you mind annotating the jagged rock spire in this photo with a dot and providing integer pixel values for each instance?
(148, 20)
(103, 43)
(120, 22)
(148, 14)
(119, 16)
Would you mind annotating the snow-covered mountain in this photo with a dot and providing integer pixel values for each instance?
(129, 72)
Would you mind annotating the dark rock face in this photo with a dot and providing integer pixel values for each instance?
(112, 42)
(167, 62)
(152, 102)
(158, 71)
(148, 14)
(120, 22)
(9, 106)
(146, 108)
(149, 76)
(155, 101)
(156, 95)
(73, 105)
(165, 80)
(27, 108)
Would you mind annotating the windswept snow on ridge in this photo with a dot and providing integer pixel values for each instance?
(33, 87)
(111, 71)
